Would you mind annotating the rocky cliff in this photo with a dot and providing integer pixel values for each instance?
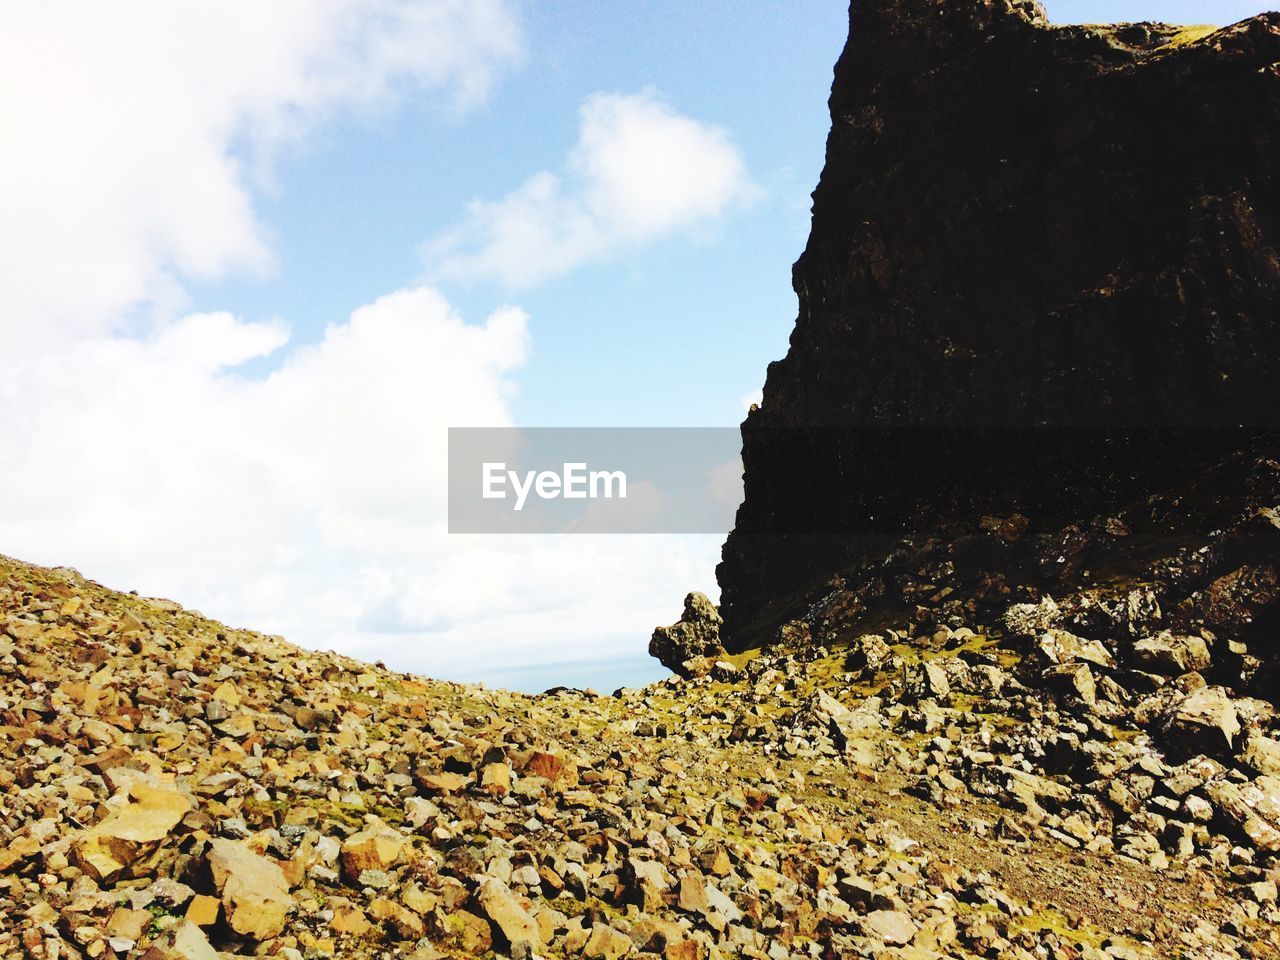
(1042, 278)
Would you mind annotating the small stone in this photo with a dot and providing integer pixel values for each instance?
(1263, 754)
(1171, 655)
(442, 783)
(692, 896)
(374, 848)
(1204, 720)
(1075, 679)
(183, 941)
(930, 681)
(309, 719)
(553, 767)
(606, 943)
(495, 779)
(650, 883)
(1058, 647)
(684, 950)
(203, 910)
(892, 926)
(1264, 891)
(128, 924)
(349, 920)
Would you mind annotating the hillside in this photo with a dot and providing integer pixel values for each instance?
(179, 789)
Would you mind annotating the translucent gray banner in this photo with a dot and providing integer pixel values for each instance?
(594, 480)
(876, 481)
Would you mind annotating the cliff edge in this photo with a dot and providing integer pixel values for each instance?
(1042, 279)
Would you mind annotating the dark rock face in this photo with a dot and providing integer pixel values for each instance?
(1042, 279)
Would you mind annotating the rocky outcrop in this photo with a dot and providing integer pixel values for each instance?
(691, 645)
(1042, 281)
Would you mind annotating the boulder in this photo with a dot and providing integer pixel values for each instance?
(109, 848)
(1203, 721)
(1171, 655)
(255, 894)
(695, 636)
(506, 913)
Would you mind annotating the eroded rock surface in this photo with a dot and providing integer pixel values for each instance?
(691, 645)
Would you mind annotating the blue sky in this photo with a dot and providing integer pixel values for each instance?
(256, 258)
(635, 336)
(677, 333)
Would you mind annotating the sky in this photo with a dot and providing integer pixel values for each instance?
(255, 259)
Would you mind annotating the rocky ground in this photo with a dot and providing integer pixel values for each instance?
(1063, 771)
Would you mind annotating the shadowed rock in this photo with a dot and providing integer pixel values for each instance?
(1042, 279)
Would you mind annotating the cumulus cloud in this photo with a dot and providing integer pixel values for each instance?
(312, 502)
(133, 132)
(639, 171)
(157, 446)
(309, 501)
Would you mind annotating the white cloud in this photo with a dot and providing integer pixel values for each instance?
(309, 502)
(312, 502)
(129, 130)
(639, 171)
(157, 446)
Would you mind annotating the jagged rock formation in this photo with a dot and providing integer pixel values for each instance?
(1019, 228)
(691, 645)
